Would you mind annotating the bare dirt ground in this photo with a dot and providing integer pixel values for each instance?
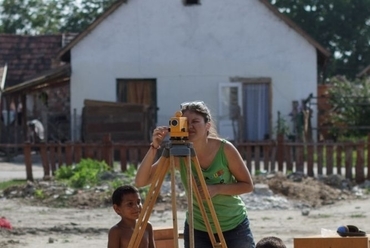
(83, 218)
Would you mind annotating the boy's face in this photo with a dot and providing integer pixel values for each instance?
(130, 207)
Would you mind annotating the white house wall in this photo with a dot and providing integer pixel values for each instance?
(190, 50)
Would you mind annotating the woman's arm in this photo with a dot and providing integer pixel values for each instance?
(147, 167)
(244, 183)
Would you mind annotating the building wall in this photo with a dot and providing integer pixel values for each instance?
(190, 50)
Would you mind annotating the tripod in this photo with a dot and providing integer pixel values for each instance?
(166, 162)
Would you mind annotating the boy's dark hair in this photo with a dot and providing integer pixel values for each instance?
(270, 242)
(121, 191)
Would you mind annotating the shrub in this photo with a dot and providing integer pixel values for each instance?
(83, 174)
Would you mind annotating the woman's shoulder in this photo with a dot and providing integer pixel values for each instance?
(217, 143)
(227, 146)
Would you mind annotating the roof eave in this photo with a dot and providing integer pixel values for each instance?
(61, 71)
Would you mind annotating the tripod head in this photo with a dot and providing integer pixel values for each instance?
(178, 127)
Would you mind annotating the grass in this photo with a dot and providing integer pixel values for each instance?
(321, 216)
(7, 184)
(358, 216)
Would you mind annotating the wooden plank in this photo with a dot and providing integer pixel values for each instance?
(339, 151)
(348, 161)
(360, 174)
(320, 158)
(90, 102)
(257, 158)
(310, 159)
(115, 136)
(329, 159)
(114, 127)
(331, 242)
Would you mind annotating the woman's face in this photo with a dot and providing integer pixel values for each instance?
(197, 127)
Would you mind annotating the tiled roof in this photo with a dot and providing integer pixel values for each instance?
(27, 56)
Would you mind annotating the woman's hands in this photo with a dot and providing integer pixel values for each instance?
(159, 134)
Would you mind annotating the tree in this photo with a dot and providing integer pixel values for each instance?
(49, 16)
(350, 114)
(341, 26)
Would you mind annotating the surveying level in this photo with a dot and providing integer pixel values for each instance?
(178, 127)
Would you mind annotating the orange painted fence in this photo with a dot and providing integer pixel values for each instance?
(350, 159)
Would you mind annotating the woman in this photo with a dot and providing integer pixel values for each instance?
(225, 173)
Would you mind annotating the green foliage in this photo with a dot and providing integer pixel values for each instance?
(39, 193)
(83, 174)
(350, 116)
(341, 26)
(49, 16)
(7, 184)
(282, 126)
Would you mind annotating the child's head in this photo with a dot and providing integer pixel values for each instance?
(270, 242)
(126, 202)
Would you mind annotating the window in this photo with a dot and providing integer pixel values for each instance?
(191, 2)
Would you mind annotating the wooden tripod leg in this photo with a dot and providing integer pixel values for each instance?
(189, 181)
(174, 205)
(155, 187)
(207, 197)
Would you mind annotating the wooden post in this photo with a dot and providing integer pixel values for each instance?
(288, 155)
(368, 157)
(248, 156)
(320, 158)
(299, 163)
(348, 160)
(28, 160)
(339, 151)
(267, 157)
(89, 151)
(107, 155)
(360, 175)
(69, 154)
(280, 151)
(257, 158)
(123, 157)
(52, 158)
(329, 159)
(60, 155)
(78, 152)
(45, 160)
(310, 152)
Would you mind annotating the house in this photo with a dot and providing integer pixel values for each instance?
(245, 59)
(27, 68)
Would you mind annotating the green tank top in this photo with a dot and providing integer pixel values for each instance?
(230, 209)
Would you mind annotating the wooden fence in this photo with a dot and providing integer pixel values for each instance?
(350, 159)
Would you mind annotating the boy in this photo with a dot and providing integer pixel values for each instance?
(270, 242)
(127, 204)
